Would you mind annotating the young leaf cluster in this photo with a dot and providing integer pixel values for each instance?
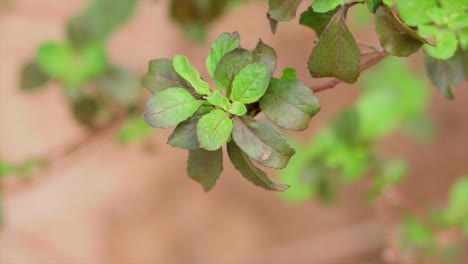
(205, 119)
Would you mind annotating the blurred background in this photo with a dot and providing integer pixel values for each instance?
(100, 201)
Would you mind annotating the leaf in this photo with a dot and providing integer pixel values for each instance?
(347, 126)
(444, 73)
(418, 234)
(336, 54)
(185, 134)
(162, 75)
(6, 169)
(373, 4)
(120, 85)
(262, 142)
(289, 74)
(205, 167)
(250, 83)
(229, 66)
(266, 55)
(214, 129)
(317, 21)
(224, 44)
(132, 130)
(273, 24)
(395, 37)
(184, 69)
(242, 163)
(238, 109)
(322, 6)
(413, 12)
(289, 103)
(447, 42)
(32, 77)
(219, 100)
(283, 10)
(170, 107)
(457, 210)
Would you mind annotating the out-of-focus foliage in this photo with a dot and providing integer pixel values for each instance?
(344, 152)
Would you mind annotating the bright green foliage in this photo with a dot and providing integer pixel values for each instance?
(184, 69)
(457, 211)
(318, 21)
(229, 66)
(205, 167)
(417, 234)
(262, 142)
(238, 109)
(265, 55)
(242, 163)
(446, 42)
(289, 103)
(72, 67)
(214, 129)
(224, 43)
(289, 74)
(133, 130)
(6, 169)
(217, 99)
(336, 54)
(33, 77)
(373, 4)
(413, 12)
(250, 83)
(170, 107)
(395, 37)
(185, 134)
(322, 6)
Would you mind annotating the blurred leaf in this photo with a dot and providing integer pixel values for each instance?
(266, 55)
(229, 66)
(120, 85)
(289, 103)
(224, 44)
(413, 12)
(322, 6)
(134, 129)
(214, 129)
(417, 234)
(6, 169)
(347, 126)
(420, 127)
(205, 167)
(396, 37)
(185, 134)
(457, 211)
(189, 73)
(32, 77)
(250, 83)
(373, 4)
(289, 74)
(90, 111)
(444, 73)
(161, 75)
(261, 141)
(392, 173)
(447, 42)
(317, 21)
(336, 54)
(170, 107)
(242, 163)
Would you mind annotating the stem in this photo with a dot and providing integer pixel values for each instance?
(334, 82)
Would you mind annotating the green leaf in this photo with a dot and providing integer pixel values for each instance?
(6, 169)
(262, 142)
(395, 37)
(205, 167)
(266, 55)
(162, 75)
(217, 99)
(444, 73)
(347, 126)
(73, 68)
(322, 6)
(373, 4)
(184, 69)
(417, 234)
(32, 77)
(336, 54)
(214, 129)
(229, 66)
(289, 103)
(447, 42)
(238, 109)
(120, 85)
(170, 107)
(242, 163)
(132, 130)
(289, 74)
(283, 10)
(250, 83)
(457, 210)
(317, 21)
(413, 12)
(224, 44)
(185, 134)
